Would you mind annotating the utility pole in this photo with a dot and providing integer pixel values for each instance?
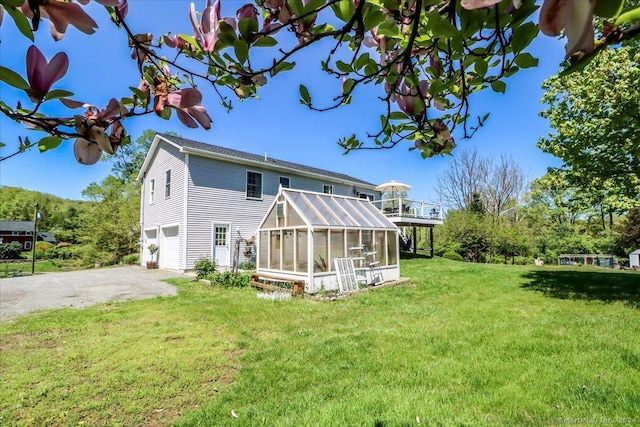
(33, 244)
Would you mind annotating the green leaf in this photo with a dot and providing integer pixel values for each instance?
(247, 27)
(398, 115)
(227, 36)
(266, 41)
(49, 143)
(525, 60)
(498, 86)
(57, 93)
(580, 64)
(241, 50)
(296, 7)
(608, 8)
(344, 67)
(313, 5)
(347, 86)
(441, 27)
(304, 93)
(629, 16)
(138, 93)
(12, 78)
(2, 144)
(283, 66)
(11, 3)
(481, 67)
(523, 36)
(22, 23)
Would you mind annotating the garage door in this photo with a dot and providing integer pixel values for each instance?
(170, 248)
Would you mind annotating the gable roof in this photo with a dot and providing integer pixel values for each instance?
(320, 210)
(16, 225)
(215, 151)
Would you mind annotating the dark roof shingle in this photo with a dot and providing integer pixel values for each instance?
(267, 161)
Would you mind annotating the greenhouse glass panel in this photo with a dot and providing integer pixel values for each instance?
(263, 262)
(287, 250)
(301, 252)
(392, 248)
(355, 213)
(337, 244)
(293, 219)
(328, 217)
(380, 247)
(320, 262)
(339, 207)
(367, 240)
(307, 209)
(274, 260)
(271, 220)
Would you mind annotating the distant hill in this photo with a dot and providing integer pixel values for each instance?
(18, 204)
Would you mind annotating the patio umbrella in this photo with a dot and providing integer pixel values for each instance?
(393, 186)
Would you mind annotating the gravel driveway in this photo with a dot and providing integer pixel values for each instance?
(26, 294)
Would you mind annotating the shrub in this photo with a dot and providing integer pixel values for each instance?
(227, 279)
(43, 246)
(131, 259)
(204, 268)
(455, 256)
(247, 265)
(10, 250)
(63, 251)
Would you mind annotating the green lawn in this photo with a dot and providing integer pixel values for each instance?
(462, 344)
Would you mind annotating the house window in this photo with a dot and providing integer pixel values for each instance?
(254, 185)
(285, 182)
(327, 189)
(366, 196)
(167, 184)
(27, 245)
(29, 233)
(15, 233)
(152, 191)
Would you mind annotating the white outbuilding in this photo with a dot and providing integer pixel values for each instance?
(303, 233)
(634, 259)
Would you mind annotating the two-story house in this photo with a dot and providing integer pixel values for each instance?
(198, 199)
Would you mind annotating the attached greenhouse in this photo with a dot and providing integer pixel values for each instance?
(304, 232)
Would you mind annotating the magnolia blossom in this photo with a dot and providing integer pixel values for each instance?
(412, 100)
(207, 31)
(42, 74)
(93, 128)
(186, 102)
(576, 17)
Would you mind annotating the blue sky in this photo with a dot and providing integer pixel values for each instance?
(277, 124)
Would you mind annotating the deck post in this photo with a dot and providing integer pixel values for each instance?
(415, 241)
(431, 241)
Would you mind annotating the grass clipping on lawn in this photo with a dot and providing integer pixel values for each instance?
(461, 344)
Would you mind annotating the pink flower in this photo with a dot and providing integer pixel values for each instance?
(206, 32)
(476, 4)
(42, 74)
(575, 17)
(93, 125)
(248, 11)
(60, 15)
(412, 101)
(186, 102)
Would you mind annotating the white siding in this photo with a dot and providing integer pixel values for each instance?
(163, 210)
(217, 193)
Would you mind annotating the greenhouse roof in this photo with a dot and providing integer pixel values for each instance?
(329, 210)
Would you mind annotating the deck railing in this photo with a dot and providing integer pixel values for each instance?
(400, 207)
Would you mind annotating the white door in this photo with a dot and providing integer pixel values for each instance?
(221, 245)
(170, 248)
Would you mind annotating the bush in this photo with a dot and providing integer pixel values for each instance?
(204, 268)
(63, 251)
(43, 246)
(454, 256)
(131, 259)
(247, 265)
(10, 250)
(227, 279)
